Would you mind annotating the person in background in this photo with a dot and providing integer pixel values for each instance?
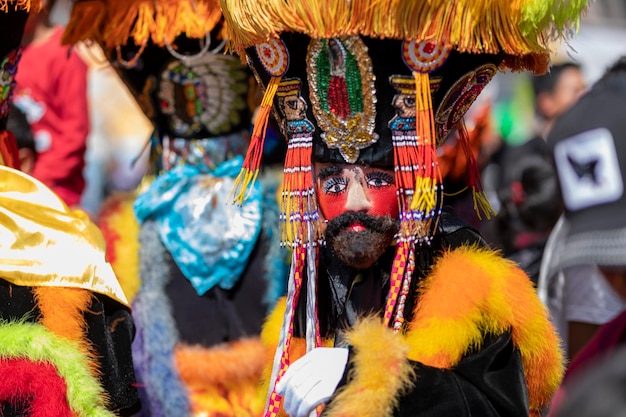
(522, 179)
(528, 209)
(555, 92)
(52, 91)
(589, 150)
(599, 391)
(19, 126)
(578, 297)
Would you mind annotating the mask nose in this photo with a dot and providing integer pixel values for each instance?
(357, 198)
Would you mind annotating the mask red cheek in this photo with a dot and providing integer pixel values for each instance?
(331, 205)
(384, 202)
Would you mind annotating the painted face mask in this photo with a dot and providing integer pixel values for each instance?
(360, 210)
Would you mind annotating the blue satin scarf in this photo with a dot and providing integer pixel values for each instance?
(209, 238)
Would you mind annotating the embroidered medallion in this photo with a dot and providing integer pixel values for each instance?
(460, 97)
(274, 57)
(342, 94)
(208, 92)
(8, 68)
(425, 56)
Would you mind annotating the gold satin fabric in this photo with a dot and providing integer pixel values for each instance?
(43, 243)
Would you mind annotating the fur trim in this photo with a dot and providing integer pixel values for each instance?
(121, 232)
(491, 294)
(62, 311)
(226, 364)
(36, 343)
(34, 385)
(223, 380)
(380, 369)
(153, 348)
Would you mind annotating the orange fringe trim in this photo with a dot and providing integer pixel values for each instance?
(114, 22)
(28, 5)
(252, 162)
(227, 364)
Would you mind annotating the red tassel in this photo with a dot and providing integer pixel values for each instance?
(481, 203)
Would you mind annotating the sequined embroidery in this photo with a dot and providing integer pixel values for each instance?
(8, 68)
(209, 92)
(460, 97)
(342, 94)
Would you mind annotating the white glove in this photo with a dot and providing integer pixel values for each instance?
(311, 380)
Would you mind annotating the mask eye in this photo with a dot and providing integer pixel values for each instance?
(335, 185)
(378, 179)
(409, 102)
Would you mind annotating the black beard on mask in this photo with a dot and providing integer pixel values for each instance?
(360, 250)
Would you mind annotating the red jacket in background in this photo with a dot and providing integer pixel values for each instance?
(52, 91)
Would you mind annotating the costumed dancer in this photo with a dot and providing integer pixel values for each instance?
(201, 273)
(65, 324)
(394, 306)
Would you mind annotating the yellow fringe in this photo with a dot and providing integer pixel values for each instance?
(425, 197)
(115, 22)
(87, 18)
(481, 204)
(28, 5)
(519, 28)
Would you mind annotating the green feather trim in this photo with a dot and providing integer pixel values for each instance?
(35, 342)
